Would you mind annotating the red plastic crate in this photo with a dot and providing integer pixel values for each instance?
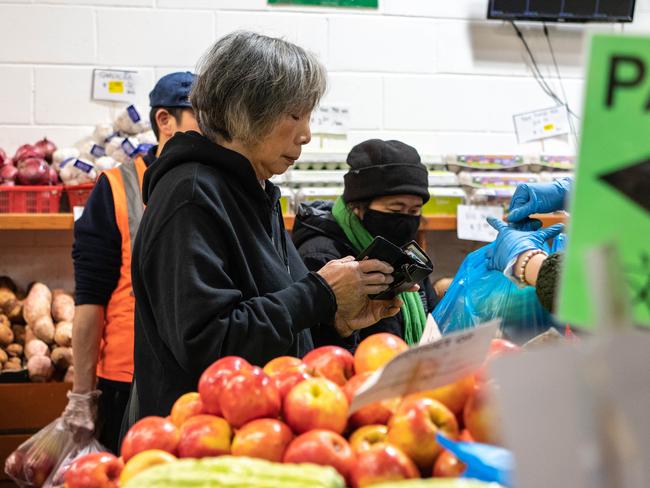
(30, 199)
(78, 194)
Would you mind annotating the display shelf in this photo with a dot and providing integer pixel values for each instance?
(66, 222)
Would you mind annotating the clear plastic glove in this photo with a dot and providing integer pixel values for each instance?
(510, 243)
(80, 413)
(531, 198)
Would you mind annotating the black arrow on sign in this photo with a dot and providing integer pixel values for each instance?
(633, 182)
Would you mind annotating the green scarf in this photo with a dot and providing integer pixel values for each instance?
(412, 309)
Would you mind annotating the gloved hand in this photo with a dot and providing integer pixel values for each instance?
(530, 198)
(510, 243)
(81, 412)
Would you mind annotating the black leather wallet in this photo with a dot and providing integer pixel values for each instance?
(411, 264)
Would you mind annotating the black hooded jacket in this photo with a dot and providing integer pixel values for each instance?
(320, 239)
(214, 273)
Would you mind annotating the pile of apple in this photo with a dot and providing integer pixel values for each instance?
(296, 411)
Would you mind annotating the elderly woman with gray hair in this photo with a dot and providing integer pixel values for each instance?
(214, 273)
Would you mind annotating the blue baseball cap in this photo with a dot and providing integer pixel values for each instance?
(172, 90)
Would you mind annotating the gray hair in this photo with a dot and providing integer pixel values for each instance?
(247, 81)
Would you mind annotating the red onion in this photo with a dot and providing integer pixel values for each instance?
(8, 173)
(33, 171)
(3, 156)
(46, 147)
(54, 178)
(27, 151)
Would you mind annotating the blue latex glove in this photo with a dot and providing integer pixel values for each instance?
(511, 242)
(531, 198)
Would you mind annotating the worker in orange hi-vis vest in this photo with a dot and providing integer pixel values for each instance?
(102, 337)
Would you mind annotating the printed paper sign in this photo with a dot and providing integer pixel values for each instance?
(541, 124)
(471, 223)
(421, 368)
(330, 119)
(431, 331)
(115, 85)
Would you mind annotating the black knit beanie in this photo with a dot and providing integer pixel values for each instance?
(379, 168)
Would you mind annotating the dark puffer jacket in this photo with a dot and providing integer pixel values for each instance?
(319, 239)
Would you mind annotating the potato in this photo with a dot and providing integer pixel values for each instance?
(14, 310)
(62, 357)
(40, 369)
(19, 334)
(63, 334)
(6, 334)
(4, 320)
(6, 296)
(38, 303)
(63, 308)
(29, 334)
(3, 356)
(14, 350)
(36, 347)
(13, 364)
(69, 375)
(44, 329)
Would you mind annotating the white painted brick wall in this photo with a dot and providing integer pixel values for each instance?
(430, 72)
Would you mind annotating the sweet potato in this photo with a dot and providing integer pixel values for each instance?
(44, 329)
(14, 350)
(19, 334)
(63, 334)
(36, 347)
(40, 369)
(6, 334)
(62, 307)
(69, 375)
(29, 334)
(62, 357)
(38, 303)
(3, 356)
(13, 364)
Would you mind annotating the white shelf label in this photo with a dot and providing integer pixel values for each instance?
(472, 224)
(541, 124)
(115, 85)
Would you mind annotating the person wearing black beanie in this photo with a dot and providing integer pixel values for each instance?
(383, 195)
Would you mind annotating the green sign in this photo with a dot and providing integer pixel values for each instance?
(611, 195)
(328, 3)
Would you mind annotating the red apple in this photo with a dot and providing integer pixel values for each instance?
(38, 466)
(448, 465)
(14, 465)
(331, 362)
(248, 395)
(453, 396)
(376, 350)
(262, 438)
(214, 379)
(498, 347)
(316, 403)
(481, 415)
(382, 463)
(144, 460)
(95, 470)
(284, 363)
(203, 436)
(187, 405)
(150, 433)
(375, 413)
(322, 447)
(414, 426)
(367, 436)
(286, 380)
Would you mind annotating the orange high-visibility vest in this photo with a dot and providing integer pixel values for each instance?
(116, 348)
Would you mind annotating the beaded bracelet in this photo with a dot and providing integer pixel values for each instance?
(522, 269)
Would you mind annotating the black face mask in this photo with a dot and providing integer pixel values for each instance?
(398, 228)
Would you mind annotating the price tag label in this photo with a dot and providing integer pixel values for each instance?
(542, 124)
(429, 366)
(472, 224)
(115, 85)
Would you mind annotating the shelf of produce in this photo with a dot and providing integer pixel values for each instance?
(65, 221)
(27, 407)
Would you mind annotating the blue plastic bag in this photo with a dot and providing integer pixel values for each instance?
(484, 462)
(477, 295)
